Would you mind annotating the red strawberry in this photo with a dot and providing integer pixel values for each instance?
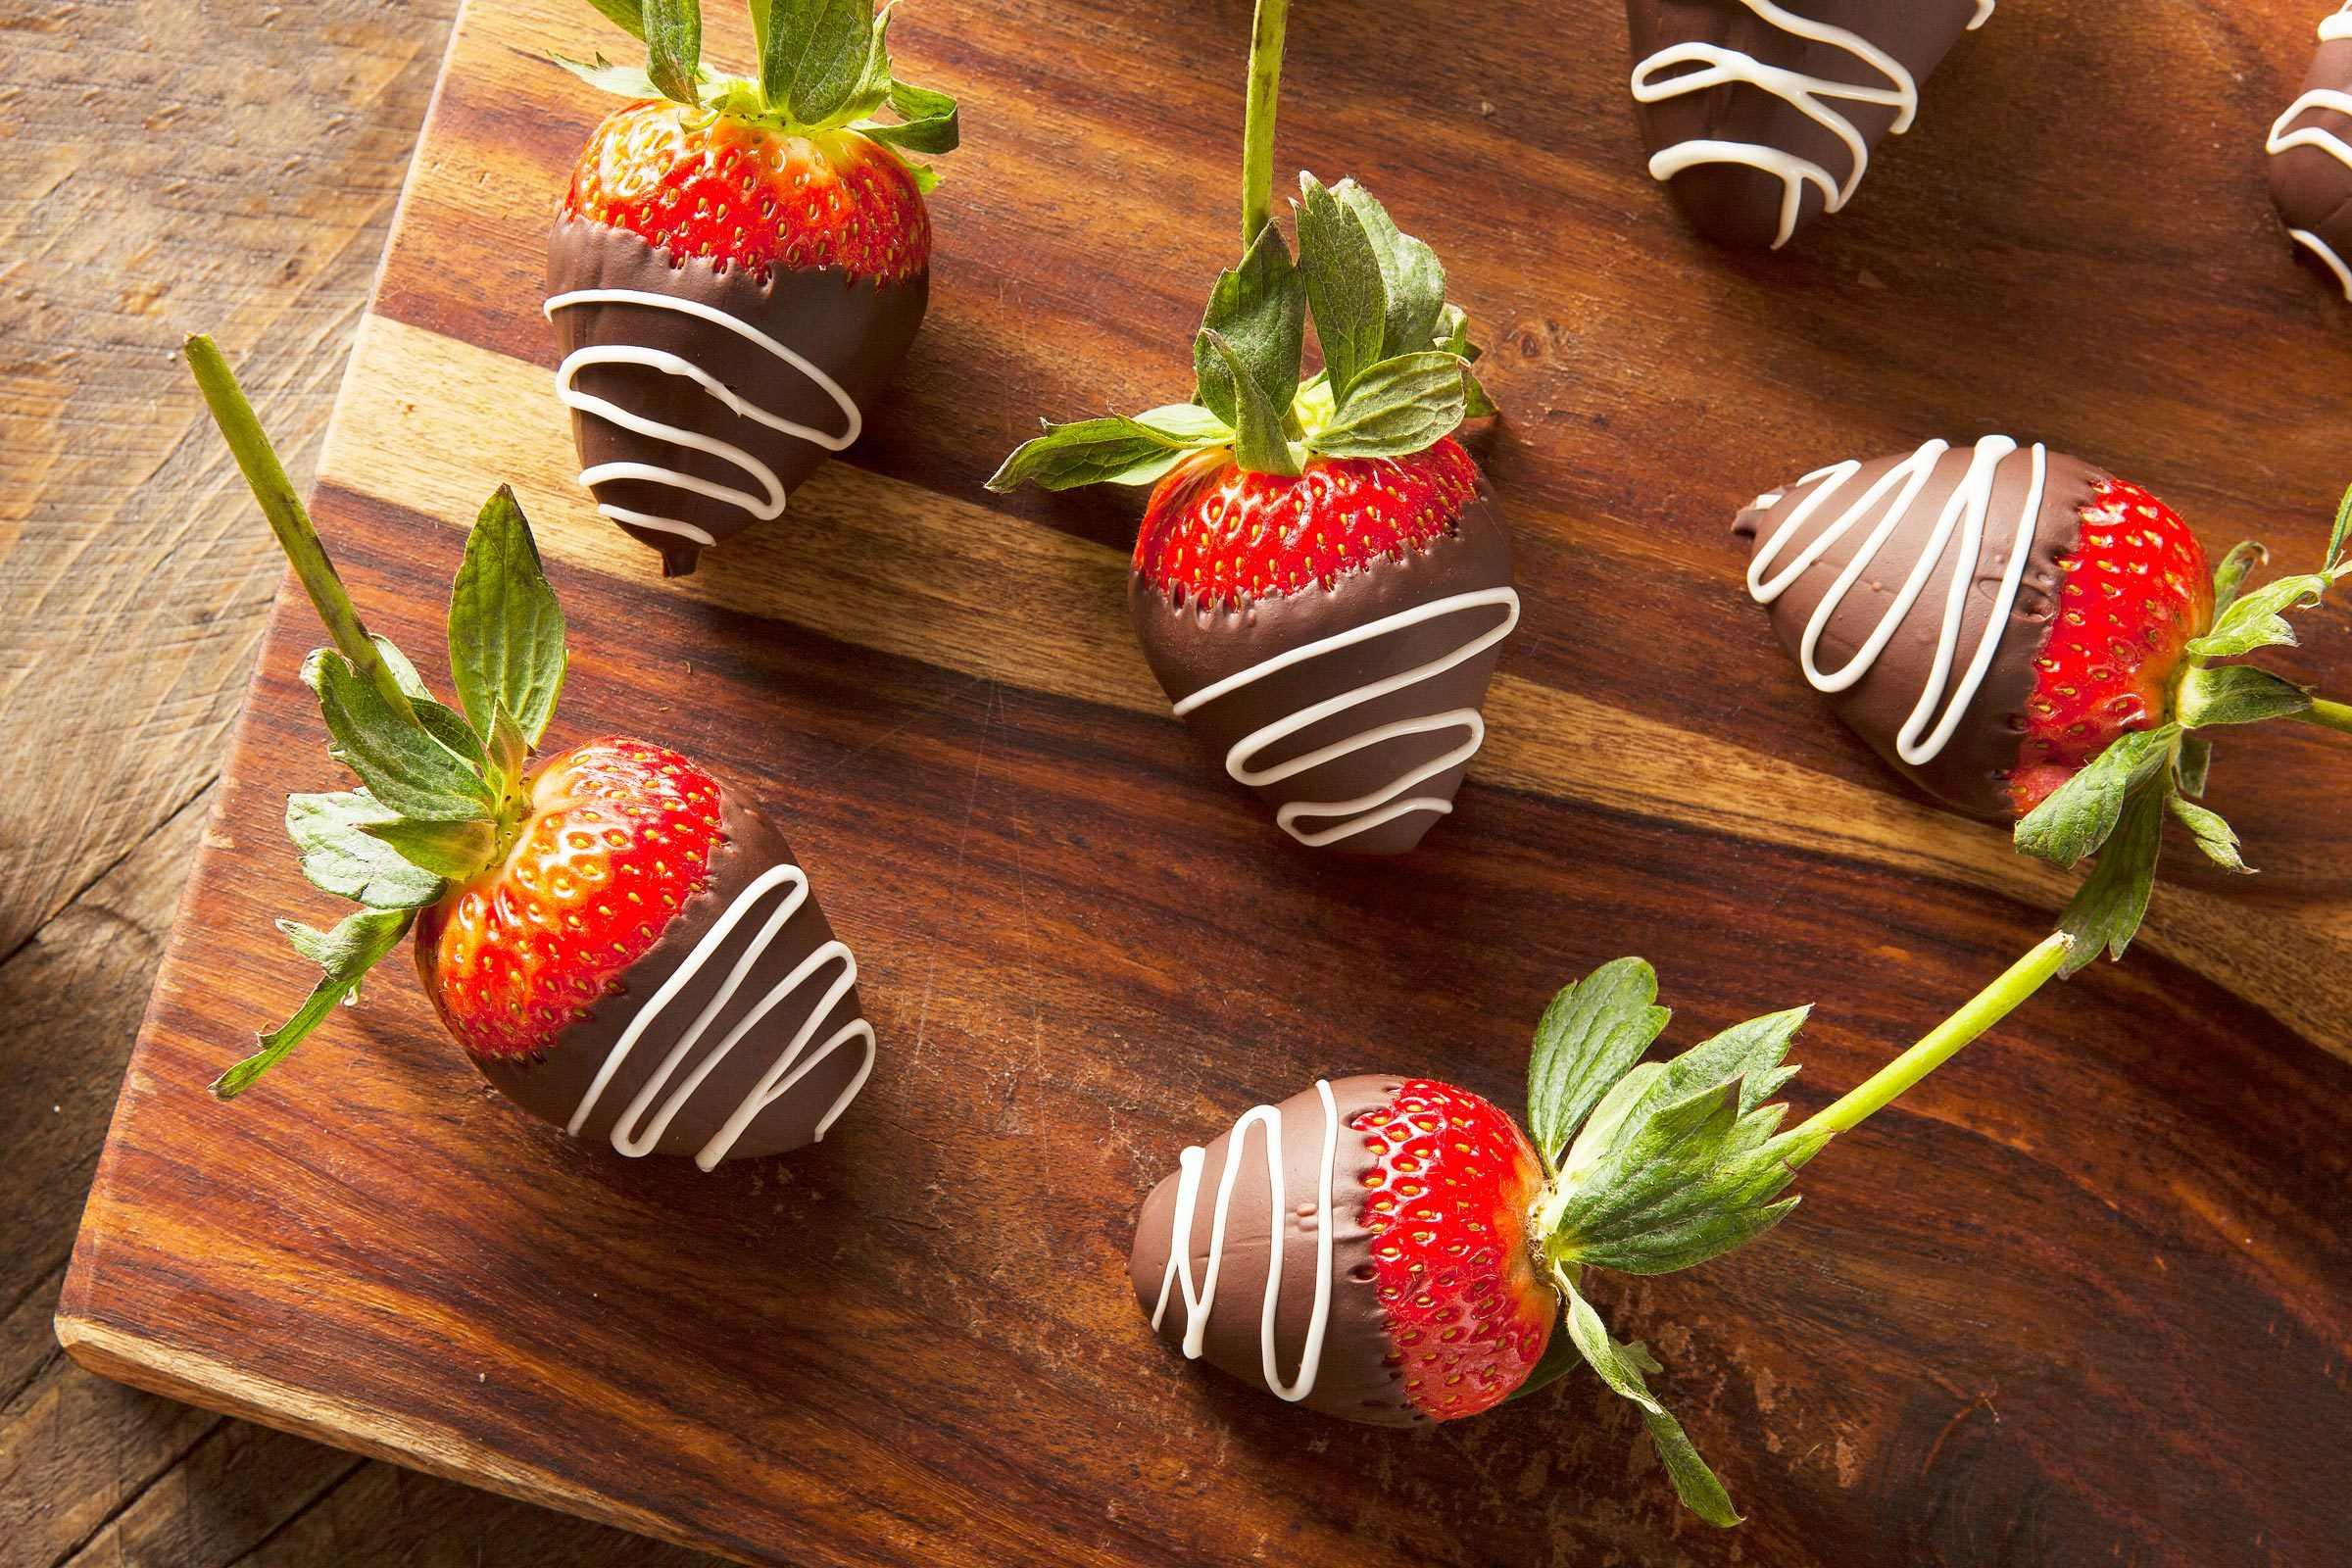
(1393, 1250)
(2137, 589)
(618, 840)
(1446, 1204)
(1216, 534)
(2030, 640)
(620, 943)
(752, 197)
(736, 271)
(1321, 582)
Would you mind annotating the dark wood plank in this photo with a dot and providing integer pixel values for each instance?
(2081, 1299)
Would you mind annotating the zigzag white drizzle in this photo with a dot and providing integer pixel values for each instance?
(762, 507)
(1365, 812)
(2331, 29)
(1967, 511)
(1817, 98)
(789, 1068)
(1197, 1304)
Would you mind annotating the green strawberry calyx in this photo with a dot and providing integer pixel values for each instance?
(1396, 374)
(442, 791)
(1654, 1167)
(824, 64)
(2115, 807)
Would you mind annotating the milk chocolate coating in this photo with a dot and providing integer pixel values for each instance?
(1971, 773)
(1353, 1380)
(1191, 646)
(1736, 204)
(2311, 186)
(857, 331)
(551, 1085)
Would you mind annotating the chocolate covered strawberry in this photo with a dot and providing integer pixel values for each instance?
(1321, 581)
(618, 939)
(738, 266)
(1395, 1250)
(2029, 639)
(1761, 117)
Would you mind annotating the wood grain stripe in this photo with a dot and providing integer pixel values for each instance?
(904, 571)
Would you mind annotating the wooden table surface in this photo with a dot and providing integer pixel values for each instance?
(243, 185)
(165, 168)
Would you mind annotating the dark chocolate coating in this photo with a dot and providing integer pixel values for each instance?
(1737, 204)
(2311, 186)
(1971, 774)
(1192, 646)
(857, 331)
(552, 1085)
(1353, 1380)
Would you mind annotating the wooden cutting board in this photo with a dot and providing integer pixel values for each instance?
(2087, 1297)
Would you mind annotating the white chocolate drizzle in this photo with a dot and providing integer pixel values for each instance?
(764, 507)
(1967, 513)
(632, 1135)
(2332, 27)
(1392, 799)
(1199, 1303)
(1701, 67)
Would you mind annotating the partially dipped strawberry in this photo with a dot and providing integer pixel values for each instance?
(1321, 581)
(1395, 1250)
(2029, 639)
(618, 939)
(738, 267)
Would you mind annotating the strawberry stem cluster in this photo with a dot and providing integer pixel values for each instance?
(821, 67)
(1654, 1167)
(1396, 374)
(441, 791)
(2115, 807)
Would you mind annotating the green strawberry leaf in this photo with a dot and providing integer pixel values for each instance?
(2231, 574)
(453, 849)
(1345, 287)
(2080, 814)
(509, 754)
(2216, 837)
(1588, 1036)
(505, 629)
(626, 14)
(2236, 693)
(401, 764)
(1397, 408)
(673, 47)
(2338, 536)
(346, 953)
(1412, 281)
(628, 81)
(443, 724)
(1112, 450)
(2196, 761)
(818, 57)
(1258, 442)
(2257, 619)
(1622, 1367)
(2106, 910)
(340, 856)
(927, 123)
(1258, 308)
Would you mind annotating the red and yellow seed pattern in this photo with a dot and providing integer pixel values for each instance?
(750, 198)
(1447, 1203)
(619, 837)
(1220, 534)
(2137, 589)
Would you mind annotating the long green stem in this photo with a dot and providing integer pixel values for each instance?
(1985, 1009)
(1257, 125)
(288, 518)
(2327, 714)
